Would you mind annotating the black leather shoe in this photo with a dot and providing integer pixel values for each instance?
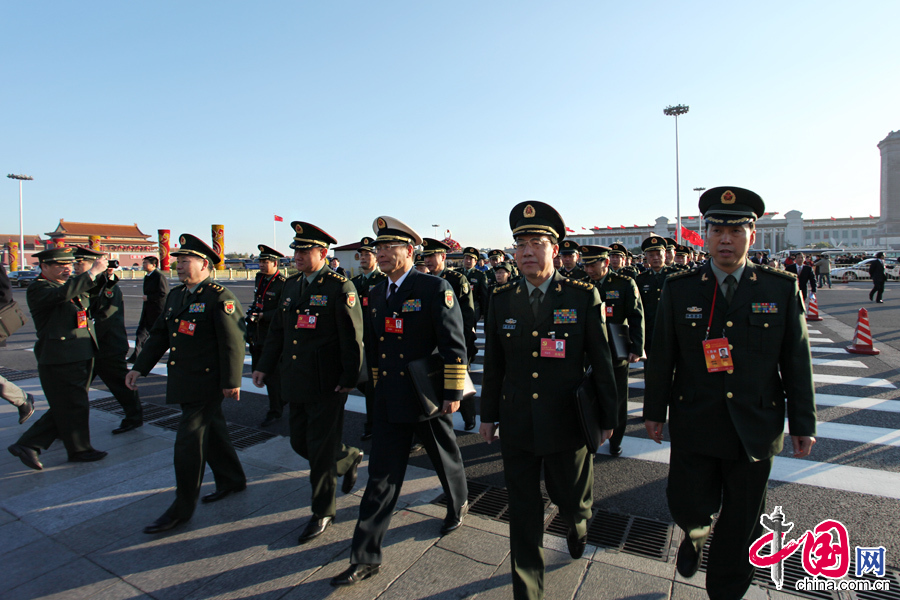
(351, 475)
(470, 425)
(269, 420)
(164, 523)
(126, 427)
(615, 450)
(219, 494)
(576, 544)
(28, 456)
(415, 448)
(355, 574)
(88, 456)
(688, 560)
(27, 409)
(315, 528)
(451, 523)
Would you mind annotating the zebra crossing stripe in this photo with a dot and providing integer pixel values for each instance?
(853, 402)
(638, 384)
(834, 362)
(823, 340)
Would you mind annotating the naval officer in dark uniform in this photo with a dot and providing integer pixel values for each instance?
(726, 417)
(65, 349)
(435, 254)
(107, 309)
(203, 330)
(369, 276)
(267, 293)
(540, 333)
(413, 316)
(623, 307)
(316, 337)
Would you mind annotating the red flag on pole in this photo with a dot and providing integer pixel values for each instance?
(279, 219)
(691, 236)
(570, 230)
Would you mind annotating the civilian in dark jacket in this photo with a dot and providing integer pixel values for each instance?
(876, 271)
(805, 275)
(156, 288)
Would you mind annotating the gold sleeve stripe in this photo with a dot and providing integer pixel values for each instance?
(456, 385)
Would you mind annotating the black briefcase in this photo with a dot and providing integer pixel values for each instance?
(428, 379)
(618, 340)
(11, 320)
(588, 407)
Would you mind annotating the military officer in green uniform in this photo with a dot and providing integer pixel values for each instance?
(495, 257)
(568, 253)
(317, 338)
(618, 256)
(65, 350)
(650, 283)
(682, 257)
(435, 254)
(370, 275)
(671, 244)
(202, 328)
(107, 309)
(540, 334)
(731, 359)
(267, 292)
(622, 303)
(478, 281)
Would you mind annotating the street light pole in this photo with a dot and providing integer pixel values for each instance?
(674, 111)
(435, 226)
(21, 178)
(699, 191)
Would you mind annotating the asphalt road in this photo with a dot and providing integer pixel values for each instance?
(853, 474)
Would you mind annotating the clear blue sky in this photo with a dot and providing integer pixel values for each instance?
(181, 114)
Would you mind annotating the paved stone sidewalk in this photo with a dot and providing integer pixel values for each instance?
(75, 531)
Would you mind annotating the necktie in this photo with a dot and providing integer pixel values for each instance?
(536, 295)
(730, 285)
(303, 283)
(393, 289)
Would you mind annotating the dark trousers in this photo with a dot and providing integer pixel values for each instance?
(877, 289)
(273, 383)
(700, 486)
(66, 389)
(569, 477)
(316, 429)
(387, 469)
(620, 370)
(202, 438)
(112, 370)
(369, 393)
(140, 338)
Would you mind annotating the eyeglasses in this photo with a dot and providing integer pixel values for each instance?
(534, 243)
(386, 246)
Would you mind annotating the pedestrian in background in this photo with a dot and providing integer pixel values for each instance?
(8, 390)
(823, 265)
(155, 288)
(876, 272)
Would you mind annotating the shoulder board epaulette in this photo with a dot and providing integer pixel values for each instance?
(337, 276)
(294, 276)
(579, 284)
(456, 274)
(682, 273)
(785, 274)
(281, 277)
(504, 287)
(216, 287)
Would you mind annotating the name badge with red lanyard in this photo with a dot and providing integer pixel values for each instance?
(81, 318)
(187, 327)
(717, 352)
(365, 300)
(393, 325)
(609, 310)
(552, 347)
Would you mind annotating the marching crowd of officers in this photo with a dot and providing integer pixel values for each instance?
(556, 314)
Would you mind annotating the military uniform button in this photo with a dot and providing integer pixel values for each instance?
(174, 334)
(63, 338)
(534, 375)
(535, 396)
(730, 371)
(765, 325)
(534, 334)
(507, 335)
(295, 342)
(402, 373)
(173, 349)
(534, 354)
(381, 339)
(681, 397)
(730, 347)
(401, 356)
(293, 357)
(728, 324)
(298, 311)
(207, 369)
(399, 338)
(171, 362)
(176, 320)
(729, 395)
(384, 356)
(384, 373)
(693, 324)
(565, 335)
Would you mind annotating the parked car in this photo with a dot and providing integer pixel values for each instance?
(26, 277)
(861, 271)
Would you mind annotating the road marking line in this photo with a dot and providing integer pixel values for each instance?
(813, 340)
(835, 362)
(817, 378)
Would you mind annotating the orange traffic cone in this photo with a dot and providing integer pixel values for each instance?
(862, 337)
(813, 312)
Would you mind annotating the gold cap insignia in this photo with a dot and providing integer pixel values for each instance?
(728, 197)
(653, 240)
(529, 211)
(298, 229)
(382, 224)
(182, 240)
(367, 241)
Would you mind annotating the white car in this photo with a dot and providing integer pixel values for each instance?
(861, 271)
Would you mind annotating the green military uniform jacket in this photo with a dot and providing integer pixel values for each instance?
(266, 302)
(577, 273)
(626, 272)
(737, 414)
(315, 360)
(478, 282)
(54, 308)
(533, 397)
(622, 303)
(204, 334)
(650, 284)
(464, 297)
(108, 311)
(363, 284)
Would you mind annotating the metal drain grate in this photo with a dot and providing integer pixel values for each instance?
(170, 423)
(107, 404)
(153, 412)
(892, 593)
(16, 375)
(632, 535)
(247, 437)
